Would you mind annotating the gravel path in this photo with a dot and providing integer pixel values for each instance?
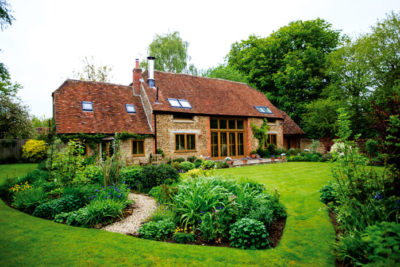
(143, 208)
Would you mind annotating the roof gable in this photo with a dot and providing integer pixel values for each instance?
(208, 96)
(109, 113)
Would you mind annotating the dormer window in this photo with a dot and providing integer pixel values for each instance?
(179, 103)
(87, 106)
(130, 108)
(263, 109)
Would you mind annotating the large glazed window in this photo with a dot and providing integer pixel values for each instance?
(227, 137)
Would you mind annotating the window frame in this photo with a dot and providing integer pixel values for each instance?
(144, 148)
(179, 103)
(130, 105)
(185, 141)
(268, 141)
(83, 103)
(263, 109)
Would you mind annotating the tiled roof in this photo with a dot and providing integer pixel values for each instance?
(289, 126)
(208, 96)
(109, 114)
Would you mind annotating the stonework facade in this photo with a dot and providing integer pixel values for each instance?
(168, 127)
(126, 151)
(275, 129)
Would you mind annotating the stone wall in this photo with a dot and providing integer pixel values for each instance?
(306, 144)
(126, 151)
(275, 128)
(167, 127)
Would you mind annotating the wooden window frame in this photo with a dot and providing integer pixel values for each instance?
(268, 141)
(144, 147)
(185, 142)
(236, 131)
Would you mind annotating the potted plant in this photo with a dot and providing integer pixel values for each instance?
(229, 160)
(283, 156)
(253, 154)
(244, 160)
(272, 158)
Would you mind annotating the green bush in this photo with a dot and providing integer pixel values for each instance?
(131, 176)
(28, 200)
(280, 151)
(161, 213)
(176, 165)
(186, 166)
(263, 214)
(34, 176)
(83, 192)
(264, 153)
(160, 230)
(327, 194)
(156, 175)
(248, 234)
(164, 194)
(97, 212)
(377, 244)
(5, 192)
(179, 160)
(118, 193)
(92, 174)
(222, 165)
(198, 163)
(192, 159)
(183, 238)
(49, 210)
(208, 164)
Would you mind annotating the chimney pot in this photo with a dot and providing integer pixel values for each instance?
(150, 79)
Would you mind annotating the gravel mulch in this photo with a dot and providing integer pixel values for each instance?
(143, 208)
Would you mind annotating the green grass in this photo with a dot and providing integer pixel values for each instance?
(13, 170)
(307, 240)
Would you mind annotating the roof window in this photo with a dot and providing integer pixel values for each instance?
(179, 103)
(130, 108)
(87, 106)
(263, 109)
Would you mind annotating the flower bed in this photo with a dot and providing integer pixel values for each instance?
(216, 211)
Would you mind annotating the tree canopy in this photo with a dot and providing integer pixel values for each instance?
(91, 72)
(171, 54)
(225, 72)
(289, 65)
(5, 14)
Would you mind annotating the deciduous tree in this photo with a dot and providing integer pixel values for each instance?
(91, 72)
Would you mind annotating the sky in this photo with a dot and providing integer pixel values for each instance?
(49, 39)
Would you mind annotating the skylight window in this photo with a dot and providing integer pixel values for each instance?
(263, 109)
(87, 106)
(179, 103)
(130, 108)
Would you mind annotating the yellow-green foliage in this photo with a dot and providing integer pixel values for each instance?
(197, 173)
(34, 150)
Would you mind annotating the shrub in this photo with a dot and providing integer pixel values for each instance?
(83, 192)
(34, 150)
(280, 151)
(160, 230)
(50, 209)
(183, 238)
(208, 164)
(326, 157)
(372, 148)
(179, 160)
(5, 192)
(192, 159)
(161, 213)
(91, 174)
(99, 211)
(222, 165)
(198, 163)
(28, 200)
(271, 149)
(156, 175)
(44, 165)
(327, 194)
(164, 194)
(35, 176)
(187, 166)
(197, 173)
(292, 152)
(131, 176)
(263, 214)
(118, 193)
(263, 152)
(176, 165)
(248, 233)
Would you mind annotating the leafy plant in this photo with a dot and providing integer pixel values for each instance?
(183, 238)
(327, 194)
(159, 230)
(131, 176)
(28, 200)
(260, 133)
(50, 209)
(112, 167)
(161, 213)
(192, 159)
(179, 160)
(208, 164)
(164, 194)
(248, 234)
(186, 166)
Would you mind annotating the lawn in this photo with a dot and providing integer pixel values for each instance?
(307, 240)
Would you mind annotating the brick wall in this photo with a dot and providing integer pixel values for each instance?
(167, 127)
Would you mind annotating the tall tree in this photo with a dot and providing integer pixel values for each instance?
(171, 54)
(290, 64)
(5, 14)
(225, 72)
(91, 72)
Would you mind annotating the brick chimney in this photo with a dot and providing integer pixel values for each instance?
(137, 75)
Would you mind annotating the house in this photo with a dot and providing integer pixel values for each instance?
(180, 114)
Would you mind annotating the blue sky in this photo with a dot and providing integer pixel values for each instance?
(48, 39)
